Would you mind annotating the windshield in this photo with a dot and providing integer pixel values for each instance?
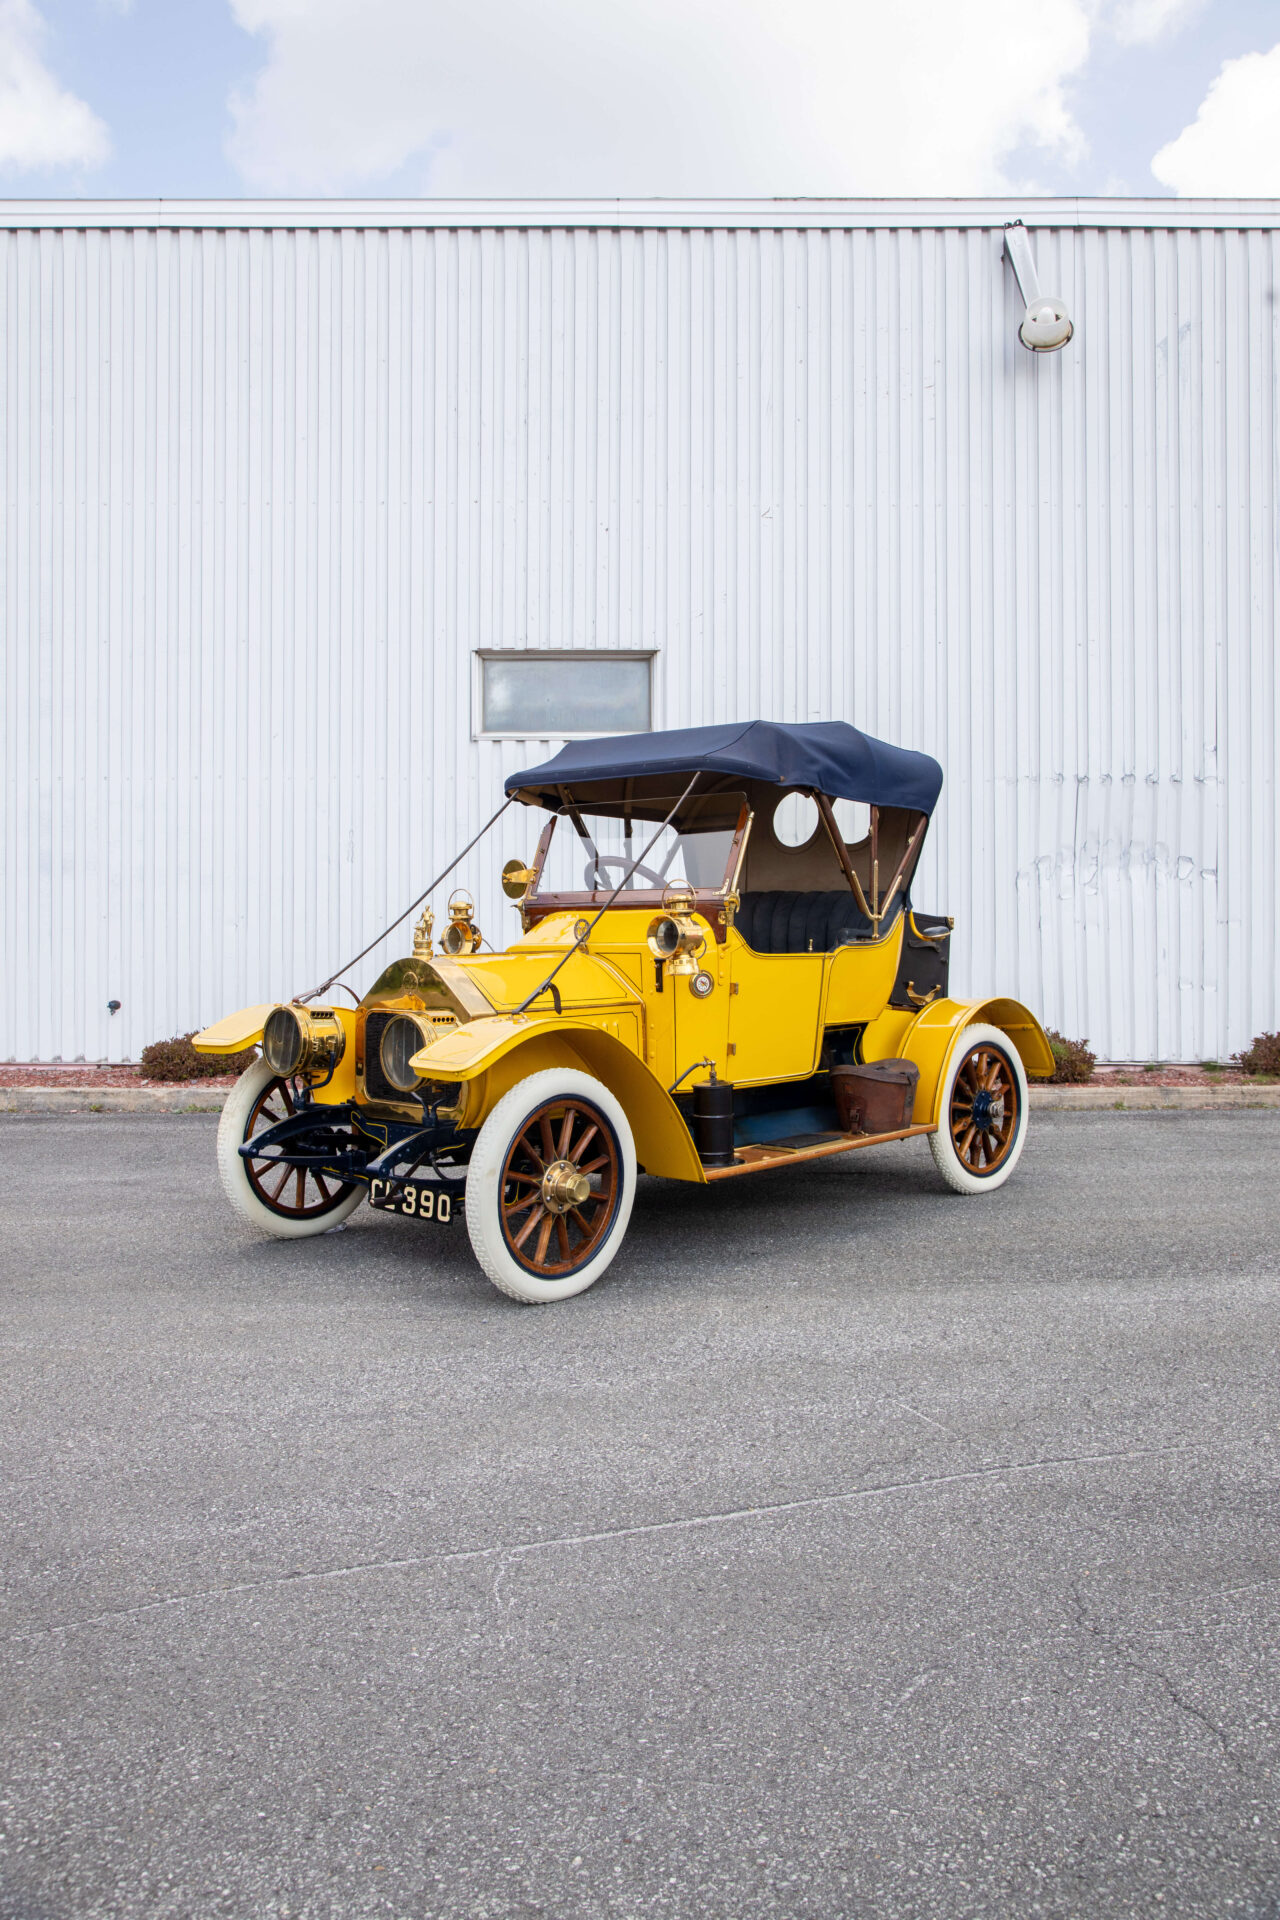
(589, 856)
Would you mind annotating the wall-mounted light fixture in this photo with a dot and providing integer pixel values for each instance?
(1046, 325)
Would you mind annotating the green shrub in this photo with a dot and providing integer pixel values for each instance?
(1263, 1056)
(177, 1059)
(1073, 1062)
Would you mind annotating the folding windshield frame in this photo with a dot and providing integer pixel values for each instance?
(709, 900)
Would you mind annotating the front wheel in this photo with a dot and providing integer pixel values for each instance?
(289, 1203)
(550, 1185)
(982, 1126)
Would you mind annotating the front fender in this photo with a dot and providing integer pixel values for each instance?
(467, 1051)
(490, 1056)
(933, 1033)
(244, 1029)
(236, 1032)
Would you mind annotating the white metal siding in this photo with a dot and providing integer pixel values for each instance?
(266, 488)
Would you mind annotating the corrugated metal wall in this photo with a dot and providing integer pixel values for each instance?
(266, 490)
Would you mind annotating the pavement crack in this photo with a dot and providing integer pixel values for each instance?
(512, 1550)
(893, 1401)
(1125, 1653)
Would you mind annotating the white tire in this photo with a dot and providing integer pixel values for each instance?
(531, 1239)
(252, 1105)
(982, 1124)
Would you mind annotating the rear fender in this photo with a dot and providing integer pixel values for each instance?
(931, 1038)
(491, 1056)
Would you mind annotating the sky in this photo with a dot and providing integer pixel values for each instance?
(587, 98)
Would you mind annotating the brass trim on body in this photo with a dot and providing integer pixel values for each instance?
(921, 999)
(764, 1157)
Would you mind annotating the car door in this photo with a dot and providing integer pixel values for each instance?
(775, 1001)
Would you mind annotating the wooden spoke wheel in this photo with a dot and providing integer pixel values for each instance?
(983, 1120)
(984, 1109)
(559, 1187)
(550, 1184)
(289, 1203)
(295, 1193)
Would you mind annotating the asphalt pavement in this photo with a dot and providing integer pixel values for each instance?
(851, 1549)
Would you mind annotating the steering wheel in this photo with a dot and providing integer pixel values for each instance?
(619, 861)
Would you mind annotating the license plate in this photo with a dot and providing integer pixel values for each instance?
(416, 1203)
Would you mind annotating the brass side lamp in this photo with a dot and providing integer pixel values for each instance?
(462, 935)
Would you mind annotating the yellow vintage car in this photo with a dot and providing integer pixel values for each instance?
(720, 974)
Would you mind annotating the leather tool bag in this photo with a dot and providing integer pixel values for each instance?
(876, 1098)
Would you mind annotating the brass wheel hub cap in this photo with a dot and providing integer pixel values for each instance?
(563, 1186)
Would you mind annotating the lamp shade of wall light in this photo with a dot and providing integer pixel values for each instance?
(1046, 325)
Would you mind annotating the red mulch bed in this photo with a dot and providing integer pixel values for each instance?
(1130, 1074)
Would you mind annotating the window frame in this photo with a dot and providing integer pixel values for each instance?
(481, 655)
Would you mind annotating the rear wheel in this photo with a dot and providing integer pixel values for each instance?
(982, 1126)
(290, 1203)
(550, 1185)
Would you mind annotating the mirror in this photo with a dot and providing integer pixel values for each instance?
(516, 879)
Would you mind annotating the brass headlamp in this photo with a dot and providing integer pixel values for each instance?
(462, 935)
(303, 1040)
(404, 1035)
(676, 938)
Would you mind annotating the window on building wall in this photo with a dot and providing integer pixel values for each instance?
(540, 694)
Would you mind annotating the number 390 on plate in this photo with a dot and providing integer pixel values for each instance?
(417, 1203)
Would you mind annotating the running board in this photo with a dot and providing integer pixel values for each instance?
(803, 1146)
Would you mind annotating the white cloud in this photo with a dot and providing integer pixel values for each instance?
(1135, 22)
(41, 124)
(1232, 147)
(576, 97)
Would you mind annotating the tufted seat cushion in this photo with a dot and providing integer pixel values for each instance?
(777, 922)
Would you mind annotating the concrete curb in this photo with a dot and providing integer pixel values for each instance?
(113, 1099)
(1141, 1099)
(212, 1099)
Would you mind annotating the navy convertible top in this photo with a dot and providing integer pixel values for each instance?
(827, 755)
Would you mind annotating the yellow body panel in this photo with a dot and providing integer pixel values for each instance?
(506, 979)
(860, 978)
(884, 1036)
(235, 1031)
(697, 1028)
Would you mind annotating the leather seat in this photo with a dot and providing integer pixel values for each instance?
(776, 922)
